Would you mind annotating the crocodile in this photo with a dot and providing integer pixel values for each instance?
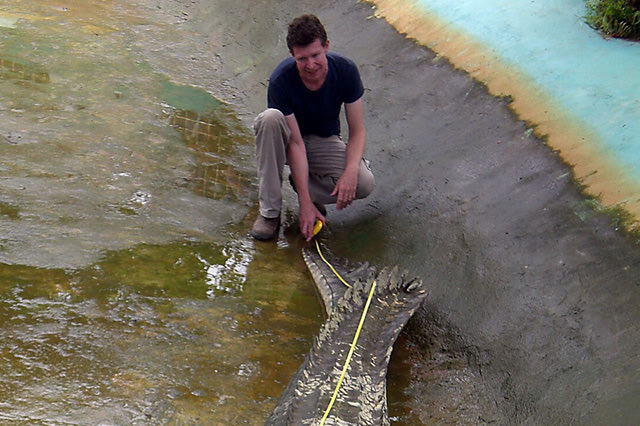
(362, 395)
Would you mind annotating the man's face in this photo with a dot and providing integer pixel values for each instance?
(311, 61)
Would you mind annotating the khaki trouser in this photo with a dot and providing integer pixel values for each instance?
(326, 158)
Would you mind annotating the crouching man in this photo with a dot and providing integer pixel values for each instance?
(301, 127)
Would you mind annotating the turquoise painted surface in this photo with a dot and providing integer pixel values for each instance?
(597, 80)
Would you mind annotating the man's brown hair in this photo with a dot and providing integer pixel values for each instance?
(303, 30)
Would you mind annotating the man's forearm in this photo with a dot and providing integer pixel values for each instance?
(297, 158)
(357, 134)
(355, 149)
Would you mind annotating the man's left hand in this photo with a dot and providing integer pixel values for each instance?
(346, 188)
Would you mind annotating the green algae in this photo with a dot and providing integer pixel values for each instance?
(189, 98)
(9, 210)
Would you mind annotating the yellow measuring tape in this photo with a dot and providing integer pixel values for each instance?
(346, 362)
(355, 338)
(331, 267)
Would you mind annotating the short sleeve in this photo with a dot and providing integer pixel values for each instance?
(353, 87)
(277, 97)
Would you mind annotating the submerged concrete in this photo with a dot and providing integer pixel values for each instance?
(534, 287)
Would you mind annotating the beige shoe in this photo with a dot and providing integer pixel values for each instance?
(265, 228)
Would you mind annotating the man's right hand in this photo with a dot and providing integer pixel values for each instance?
(307, 217)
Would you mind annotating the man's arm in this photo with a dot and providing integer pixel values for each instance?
(297, 157)
(347, 184)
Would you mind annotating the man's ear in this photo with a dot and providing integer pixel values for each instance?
(326, 46)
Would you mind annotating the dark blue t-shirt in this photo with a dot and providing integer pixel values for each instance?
(317, 112)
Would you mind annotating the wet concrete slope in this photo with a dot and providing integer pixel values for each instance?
(538, 290)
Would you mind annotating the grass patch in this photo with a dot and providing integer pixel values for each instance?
(615, 18)
(621, 220)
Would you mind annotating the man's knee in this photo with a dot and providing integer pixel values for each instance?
(366, 181)
(270, 118)
(365, 187)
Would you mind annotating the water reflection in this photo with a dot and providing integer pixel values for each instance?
(213, 141)
(12, 69)
(230, 277)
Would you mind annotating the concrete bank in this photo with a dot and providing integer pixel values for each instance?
(535, 288)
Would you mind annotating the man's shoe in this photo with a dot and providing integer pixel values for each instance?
(265, 228)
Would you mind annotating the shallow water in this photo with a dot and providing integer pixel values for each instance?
(129, 292)
(125, 296)
(99, 154)
(183, 333)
